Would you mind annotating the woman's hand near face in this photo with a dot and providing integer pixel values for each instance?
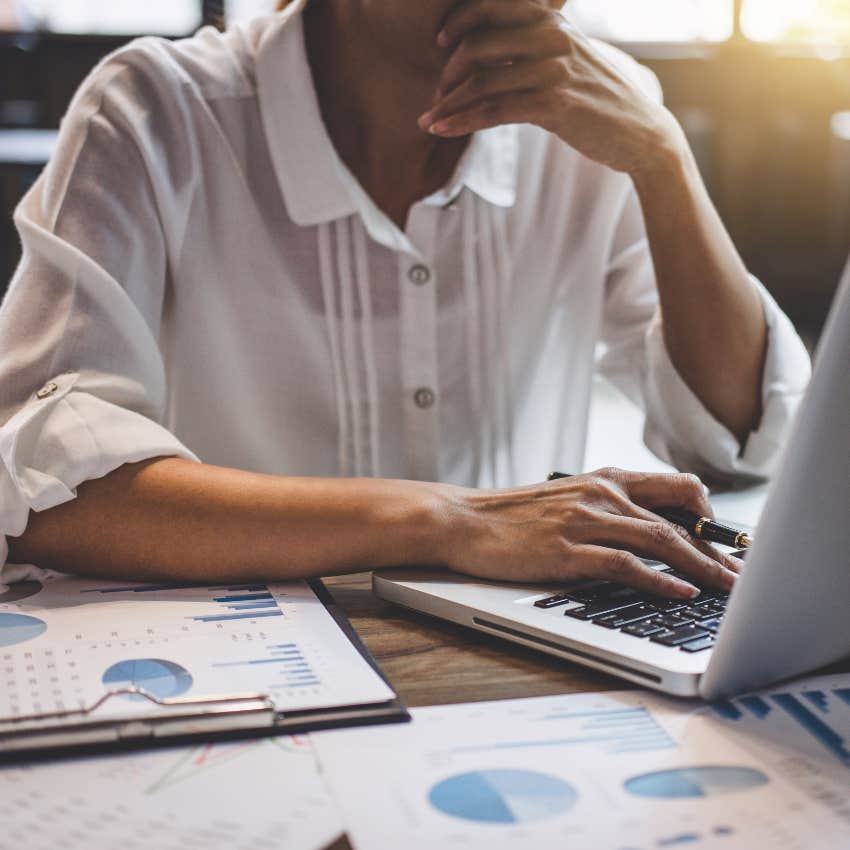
(519, 61)
(593, 526)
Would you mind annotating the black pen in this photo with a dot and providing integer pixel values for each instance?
(703, 527)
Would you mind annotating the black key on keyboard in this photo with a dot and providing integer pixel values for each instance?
(598, 609)
(683, 634)
(666, 606)
(553, 601)
(693, 613)
(595, 591)
(602, 590)
(644, 629)
(625, 617)
(607, 592)
(714, 595)
(623, 592)
(588, 592)
(712, 624)
(672, 621)
(679, 574)
(705, 599)
(707, 594)
(698, 645)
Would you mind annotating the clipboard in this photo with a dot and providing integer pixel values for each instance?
(59, 734)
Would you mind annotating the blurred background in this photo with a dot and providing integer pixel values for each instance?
(762, 88)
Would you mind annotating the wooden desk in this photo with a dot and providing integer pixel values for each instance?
(433, 662)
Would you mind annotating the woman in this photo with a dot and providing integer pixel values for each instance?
(352, 250)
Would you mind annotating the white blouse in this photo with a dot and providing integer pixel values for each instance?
(203, 277)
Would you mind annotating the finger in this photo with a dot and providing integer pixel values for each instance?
(734, 565)
(487, 14)
(498, 47)
(606, 490)
(628, 508)
(513, 108)
(664, 542)
(625, 568)
(679, 490)
(495, 80)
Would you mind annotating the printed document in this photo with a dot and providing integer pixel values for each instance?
(615, 771)
(65, 642)
(235, 796)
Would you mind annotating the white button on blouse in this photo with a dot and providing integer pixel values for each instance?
(419, 275)
(203, 277)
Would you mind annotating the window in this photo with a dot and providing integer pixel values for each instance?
(242, 10)
(797, 21)
(616, 20)
(816, 22)
(655, 20)
(113, 17)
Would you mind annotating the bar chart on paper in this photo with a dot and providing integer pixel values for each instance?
(68, 641)
(286, 663)
(225, 604)
(802, 732)
(605, 726)
(816, 719)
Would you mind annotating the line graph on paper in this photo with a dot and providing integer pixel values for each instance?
(212, 757)
(218, 796)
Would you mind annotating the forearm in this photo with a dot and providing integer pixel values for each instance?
(713, 319)
(175, 519)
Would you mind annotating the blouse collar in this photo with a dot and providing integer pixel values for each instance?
(317, 186)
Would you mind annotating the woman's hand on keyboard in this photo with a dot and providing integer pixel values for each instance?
(597, 525)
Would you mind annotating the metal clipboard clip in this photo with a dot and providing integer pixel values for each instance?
(180, 717)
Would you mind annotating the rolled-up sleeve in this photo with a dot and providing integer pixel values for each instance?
(82, 378)
(678, 427)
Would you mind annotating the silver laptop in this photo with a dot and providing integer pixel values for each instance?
(788, 614)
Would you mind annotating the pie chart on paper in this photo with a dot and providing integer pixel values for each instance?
(689, 782)
(18, 628)
(160, 678)
(502, 796)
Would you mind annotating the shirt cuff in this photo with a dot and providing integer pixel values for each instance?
(681, 431)
(60, 438)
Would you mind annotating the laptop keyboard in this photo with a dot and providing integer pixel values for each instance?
(686, 625)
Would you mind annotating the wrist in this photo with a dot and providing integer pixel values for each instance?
(428, 519)
(668, 161)
(446, 526)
